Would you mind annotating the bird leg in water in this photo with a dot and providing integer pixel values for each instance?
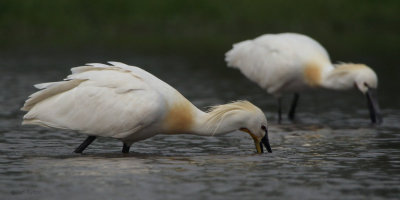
(292, 110)
(125, 148)
(85, 144)
(279, 110)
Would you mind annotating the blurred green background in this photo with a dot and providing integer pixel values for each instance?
(359, 30)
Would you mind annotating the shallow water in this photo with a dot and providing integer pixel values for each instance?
(330, 152)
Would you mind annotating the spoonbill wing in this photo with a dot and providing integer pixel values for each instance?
(274, 60)
(100, 100)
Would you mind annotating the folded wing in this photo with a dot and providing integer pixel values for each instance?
(274, 60)
(97, 99)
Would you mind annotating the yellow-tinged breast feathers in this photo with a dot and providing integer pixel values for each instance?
(312, 73)
(179, 118)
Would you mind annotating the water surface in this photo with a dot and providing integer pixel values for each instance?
(331, 151)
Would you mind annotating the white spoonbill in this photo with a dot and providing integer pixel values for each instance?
(291, 62)
(130, 104)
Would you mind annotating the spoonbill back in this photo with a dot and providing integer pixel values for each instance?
(291, 62)
(130, 104)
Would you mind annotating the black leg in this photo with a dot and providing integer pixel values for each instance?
(85, 144)
(279, 110)
(293, 107)
(125, 148)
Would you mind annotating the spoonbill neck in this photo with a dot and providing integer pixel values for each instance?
(206, 124)
(226, 118)
(183, 117)
(316, 71)
(342, 76)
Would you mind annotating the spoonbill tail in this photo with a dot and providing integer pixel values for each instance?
(127, 103)
(291, 62)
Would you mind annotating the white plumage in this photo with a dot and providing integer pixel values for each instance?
(291, 62)
(130, 104)
(276, 61)
(96, 100)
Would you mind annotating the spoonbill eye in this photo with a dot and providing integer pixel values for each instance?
(263, 127)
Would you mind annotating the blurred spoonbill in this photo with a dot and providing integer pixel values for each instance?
(130, 104)
(291, 62)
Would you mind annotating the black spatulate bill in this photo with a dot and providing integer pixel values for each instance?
(265, 142)
(373, 106)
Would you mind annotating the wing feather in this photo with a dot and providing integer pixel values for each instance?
(50, 90)
(97, 99)
(275, 60)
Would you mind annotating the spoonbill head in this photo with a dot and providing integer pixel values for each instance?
(348, 76)
(130, 104)
(291, 62)
(243, 116)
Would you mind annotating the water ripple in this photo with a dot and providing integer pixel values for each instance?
(330, 152)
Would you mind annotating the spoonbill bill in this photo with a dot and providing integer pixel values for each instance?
(127, 103)
(292, 62)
